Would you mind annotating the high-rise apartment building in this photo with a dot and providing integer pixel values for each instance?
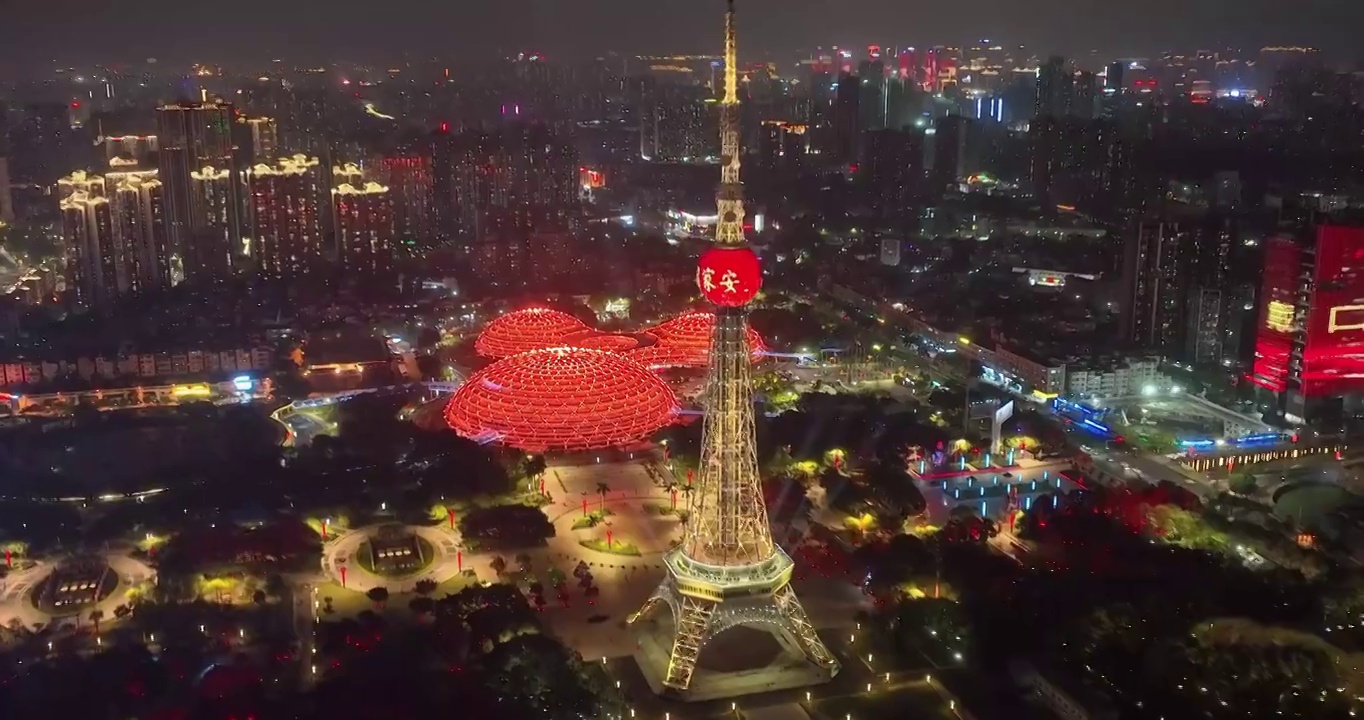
(138, 148)
(846, 127)
(892, 170)
(203, 205)
(1055, 88)
(364, 227)
(409, 181)
(115, 233)
(287, 233)
(88, 230)
(1175, 272)
(257, 139)
(949, 152)
(677, 123)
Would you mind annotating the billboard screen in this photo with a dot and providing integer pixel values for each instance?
(1333, 359)
(1278, 314)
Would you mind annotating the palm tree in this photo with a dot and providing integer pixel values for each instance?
(95, 616)
(602, 490)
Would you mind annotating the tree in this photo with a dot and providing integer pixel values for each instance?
(515, 526)
(556, 576)
(602, 490)
(378, 596)
(425, 586)
(1243, 483)
(95, 616)
(498, 564)
(258, 597)
(122, 611)
(422, 605)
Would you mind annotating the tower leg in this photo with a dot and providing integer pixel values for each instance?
(800, 626)
(693, 627)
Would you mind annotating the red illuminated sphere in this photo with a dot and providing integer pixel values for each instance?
(729, 277)
(684, 341)
(529, 329)
(561, 399)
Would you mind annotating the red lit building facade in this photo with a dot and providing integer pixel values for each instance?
(364, 228)
(1309, 348)
(287, 217)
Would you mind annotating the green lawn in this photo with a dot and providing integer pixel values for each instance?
(345, 602)
(617, 547)
(916, 701)
(349, 603)
(592, 519)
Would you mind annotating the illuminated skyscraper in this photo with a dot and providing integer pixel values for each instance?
(409, 179)
(1310, 337)
(258, 138)
(287, 238)
(203, 207)
(115, 233)
(364, 227)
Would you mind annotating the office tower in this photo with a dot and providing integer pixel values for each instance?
(949, 152)
(198, 170)
(846, 124)
(1055, 89)
(892, 170)
(872, 95)
(287, 234)
(1113, 83)
(364, 228)
(1310, 335)
(727, 571)
(409, 180)
(1086, 95)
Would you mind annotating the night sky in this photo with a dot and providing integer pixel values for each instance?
(35, 32)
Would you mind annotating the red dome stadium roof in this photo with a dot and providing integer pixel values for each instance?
(684, 341)
(610, 342)
(561, 399)
(529, 329)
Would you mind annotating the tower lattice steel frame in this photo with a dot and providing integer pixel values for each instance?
(727, 571)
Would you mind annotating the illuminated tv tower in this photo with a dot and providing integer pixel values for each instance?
(727, 571)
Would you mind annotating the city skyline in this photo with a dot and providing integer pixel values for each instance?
(414, 28)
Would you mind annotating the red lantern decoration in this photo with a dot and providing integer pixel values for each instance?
(729, 277)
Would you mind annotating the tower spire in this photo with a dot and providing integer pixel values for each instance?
(729, 200)
(727, 571)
